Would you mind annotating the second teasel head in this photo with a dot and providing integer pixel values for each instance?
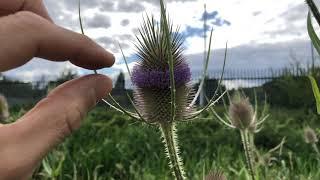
(241, 112)
(151, 75)
(310, 136)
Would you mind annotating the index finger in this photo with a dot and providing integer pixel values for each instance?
(25, 35)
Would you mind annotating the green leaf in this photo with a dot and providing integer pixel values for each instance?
(316, 92)
(312, 34)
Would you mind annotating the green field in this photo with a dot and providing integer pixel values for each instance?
(111, 146)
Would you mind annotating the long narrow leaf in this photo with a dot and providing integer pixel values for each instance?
(81, 25)
(125, 60)
(313, 35)
(204, 72)
(316, 92)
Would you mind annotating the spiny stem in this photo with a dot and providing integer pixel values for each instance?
(315, 148)
(167, 37)
(81, 25)
(248, 151)
(169, 139)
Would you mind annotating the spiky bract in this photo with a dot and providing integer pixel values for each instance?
(4, 108)
(153, 47)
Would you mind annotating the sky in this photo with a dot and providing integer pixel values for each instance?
(260, 34)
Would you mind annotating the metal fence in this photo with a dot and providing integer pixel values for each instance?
(30, 92)
(248, 78)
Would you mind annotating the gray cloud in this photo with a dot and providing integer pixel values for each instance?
(129, 6)
(156, 2)
(61, 15)
(111, 43)
(125, 22)
(292, 17)
(123, 6)
(255, 56)
(256, 13)
(99, 21)
(36, 69)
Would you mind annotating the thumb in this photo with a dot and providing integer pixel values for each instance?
(27, 141)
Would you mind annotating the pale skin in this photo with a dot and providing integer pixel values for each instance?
(27, 31)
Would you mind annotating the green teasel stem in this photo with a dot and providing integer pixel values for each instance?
(81, 25)
(169, 135)
(248, 151)
(170, 60)
(315, 148)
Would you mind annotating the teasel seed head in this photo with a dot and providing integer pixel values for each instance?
(4, 109)
(215, 175)
(310, 136)
(151, 75)
(241, 112)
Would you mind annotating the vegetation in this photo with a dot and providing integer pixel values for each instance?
(111, 146)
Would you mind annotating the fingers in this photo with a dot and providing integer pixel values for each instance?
(12, 6)
(25, 35)
(51, 120)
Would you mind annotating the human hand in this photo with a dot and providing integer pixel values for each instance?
(26, 31)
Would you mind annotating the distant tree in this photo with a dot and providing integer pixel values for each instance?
(65, 75)
(120, 82)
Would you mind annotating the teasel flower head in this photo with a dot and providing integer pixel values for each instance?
(216, 175)
(241, 112)
(4, 109)
(310, 136)
(151, 75)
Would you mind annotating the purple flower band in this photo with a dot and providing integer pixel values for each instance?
(151, 78)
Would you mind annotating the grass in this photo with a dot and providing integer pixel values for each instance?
(111, 146)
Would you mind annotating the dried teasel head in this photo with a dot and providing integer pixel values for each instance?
(151, 75)
(4, 109)
(241, 112)
(215, 175)
(310, 136)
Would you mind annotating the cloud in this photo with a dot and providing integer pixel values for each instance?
(292, 22)
(125, 22)
(156, 2)
(256, 13)
(38, 68)
(121, 6)
(211, 18)
(99, 21)
(112, 43)
(255, 56)
(208, 16)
